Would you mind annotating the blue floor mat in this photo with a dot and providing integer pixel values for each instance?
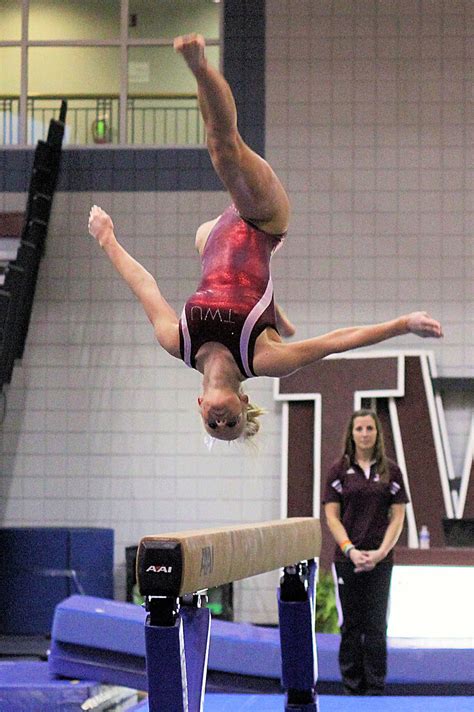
(334, 703)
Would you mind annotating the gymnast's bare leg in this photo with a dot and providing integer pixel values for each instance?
(255, 189)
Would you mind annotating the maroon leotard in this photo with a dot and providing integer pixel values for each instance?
(233, 303)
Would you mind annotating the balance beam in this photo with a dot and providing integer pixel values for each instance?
(182, 563)
(174, 572)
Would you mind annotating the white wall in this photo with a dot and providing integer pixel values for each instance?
(369, 124)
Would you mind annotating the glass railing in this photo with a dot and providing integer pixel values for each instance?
(164, 120)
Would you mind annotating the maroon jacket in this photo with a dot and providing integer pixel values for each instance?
(365, 503)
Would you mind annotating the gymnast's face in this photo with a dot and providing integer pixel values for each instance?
(223, 414)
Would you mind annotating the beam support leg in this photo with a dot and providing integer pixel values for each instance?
(296, 609)
(177, 645)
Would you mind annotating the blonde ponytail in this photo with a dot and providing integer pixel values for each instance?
(252, 425)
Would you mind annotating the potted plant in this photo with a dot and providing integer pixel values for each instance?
(326, 611)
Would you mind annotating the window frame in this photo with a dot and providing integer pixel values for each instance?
(123, 42)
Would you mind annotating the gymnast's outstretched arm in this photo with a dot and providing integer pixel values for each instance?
(276, 358)
(140, 281)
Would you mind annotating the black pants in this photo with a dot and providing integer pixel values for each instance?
(363, 650)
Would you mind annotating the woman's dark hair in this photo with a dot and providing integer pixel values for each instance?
(379, 447)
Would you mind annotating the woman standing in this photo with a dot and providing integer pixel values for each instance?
(364, 503)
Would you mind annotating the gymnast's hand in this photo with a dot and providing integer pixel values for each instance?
(100, 226)
(192, 48)
(421, 324)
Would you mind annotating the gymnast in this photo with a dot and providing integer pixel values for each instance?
(230, 329)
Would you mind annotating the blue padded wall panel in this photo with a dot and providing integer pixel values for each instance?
(29, 584)
(42, 566)
(91, 555)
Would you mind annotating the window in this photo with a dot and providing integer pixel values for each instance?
(113, 60)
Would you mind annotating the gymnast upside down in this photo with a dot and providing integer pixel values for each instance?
(231, 329)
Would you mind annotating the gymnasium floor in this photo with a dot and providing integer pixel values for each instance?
(333, 703)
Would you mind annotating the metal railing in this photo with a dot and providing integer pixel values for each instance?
(9, 113)
(164, 119)
(174, 121)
